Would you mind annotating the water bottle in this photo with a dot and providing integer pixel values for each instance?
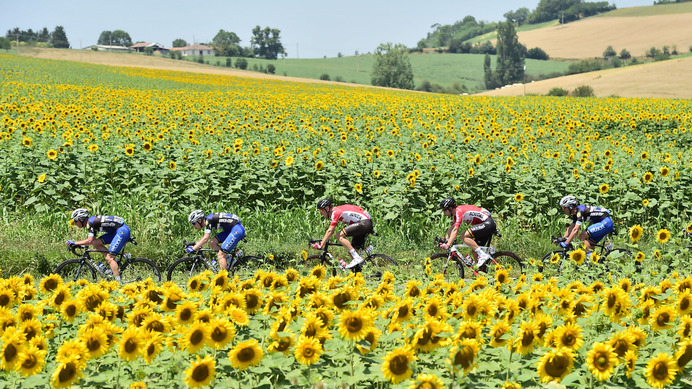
(368, 250)
(491, 251)
(127, 256)
(609, 246)
(239, 253)
(342, 264)
(102, 267)
(214, 264)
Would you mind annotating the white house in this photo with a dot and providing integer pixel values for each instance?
(195, 50)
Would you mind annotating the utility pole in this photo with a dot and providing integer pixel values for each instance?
(297, 54)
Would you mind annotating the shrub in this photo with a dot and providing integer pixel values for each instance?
(609, 52)
(662, 57)
(148, 51)
(653, 52)
(584, 66)
(324, 77)
(537, 53)
(583, 91)
(200, 59)
(228, 62)
(557, 91)
(616, 62)
(624, 54)
(241, 63)
(339, 79)
(271, 69)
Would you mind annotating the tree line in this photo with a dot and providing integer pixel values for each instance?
(57, 38)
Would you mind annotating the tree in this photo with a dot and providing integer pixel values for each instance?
(267, 42)
(5, 44)
(59, 39)
(392, 67)
(609, 52)
(226, 44)
(518, 17)
(115, 38)
(624, 54)
(179, 43)
(510, 58)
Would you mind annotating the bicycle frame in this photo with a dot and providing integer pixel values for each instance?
(86, 257)
(199, 256)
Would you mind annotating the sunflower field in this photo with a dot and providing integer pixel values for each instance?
(151, 145)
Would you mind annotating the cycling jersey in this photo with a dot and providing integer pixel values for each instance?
(470, 214)
(221, 221)
(104, 224)
(589, 214)
(348, 214)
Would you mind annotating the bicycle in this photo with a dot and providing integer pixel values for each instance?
(554, 261)
(187, 267)
(130, 269)
(451, 264)
(372, 268)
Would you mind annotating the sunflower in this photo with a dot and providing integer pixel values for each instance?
(601, 360)
(95, 341)
(201, 372)
(396, 364)
(555, 365)
(246, 354)
(569, 336)
(196, 337)
(630, 362)
(319, 165)
(578, 256)
(307, 350)
(281, 344)
(645, 202)
(663, 318)
(41, 178)
(172, 165)
(498, 333)
(518, 197)
(660, 370)
(640, 257)
(665, 171)
(30, 361)
(689, 228)
(648, 177)
(663, 236)
(66, 373)
(220, 333)
(683, 305)
(370, 338)
(26, 142)
(354, 325)
(684, 354)
(462, 356)
(129, 150)
(146, 146)
(153, 344)
(131, 344)
(52, 154)
(93, 147)
(10, 349)
(526, 338)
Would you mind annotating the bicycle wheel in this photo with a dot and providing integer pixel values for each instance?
(507, 261)
(376, 265)
(184, 268)
(553, 262)
(140, 269)
(75, 269)
(246, 266)
(453, 270)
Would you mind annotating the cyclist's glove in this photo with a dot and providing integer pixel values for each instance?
(444, 246)
(563, 244)
(189, 249)
(317, 246)
(70, 242)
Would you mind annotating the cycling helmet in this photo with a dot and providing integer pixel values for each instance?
(80, 214)
(195, 216)
(447, 202)
(568, 201)
(324, 203)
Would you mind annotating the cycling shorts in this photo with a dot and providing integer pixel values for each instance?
(598, 231)
(228, 239)
(116, 239)
(359, 231)
(482, 232)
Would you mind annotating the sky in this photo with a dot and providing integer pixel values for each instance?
(309, 28)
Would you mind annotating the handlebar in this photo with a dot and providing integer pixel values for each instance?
(556, 240)
(311, 241)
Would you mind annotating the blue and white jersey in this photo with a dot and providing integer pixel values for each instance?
(221, 221)
(589, 214)
(104, 224)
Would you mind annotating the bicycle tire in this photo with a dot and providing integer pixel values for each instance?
(454, 271)
(246, 265)
(375, 265)
(184, 268)
(74, 269)
(139, 269)
(506, 260)
(553, 269)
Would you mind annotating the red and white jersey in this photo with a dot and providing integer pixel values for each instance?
(470, 214)
(348, 214)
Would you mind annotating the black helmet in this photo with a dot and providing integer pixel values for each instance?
(324, 203)
(447, 202)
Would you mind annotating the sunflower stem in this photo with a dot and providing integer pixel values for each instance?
(509, 363)
(117, 377)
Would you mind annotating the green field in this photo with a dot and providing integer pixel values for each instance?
(442, 69)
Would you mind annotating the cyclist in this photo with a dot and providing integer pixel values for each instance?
(232, 232)
(601, 223)
(116, 235)
(482, 227)
(358, 225)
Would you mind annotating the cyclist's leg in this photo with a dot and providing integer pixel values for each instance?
(100, 245)
(479, 234)
(595, 233)
(235, 235)
(215, 244)
(117, 244)
(358, 231)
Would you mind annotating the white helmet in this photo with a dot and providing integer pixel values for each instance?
(80, 214)
(195, 216)
(568, 201)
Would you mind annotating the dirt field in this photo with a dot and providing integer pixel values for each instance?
(667, 79)
(590, 37)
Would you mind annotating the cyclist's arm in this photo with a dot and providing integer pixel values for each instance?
(452, 233)
(327, 235)
(571, 232)
(200, 243)
(86, 242)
